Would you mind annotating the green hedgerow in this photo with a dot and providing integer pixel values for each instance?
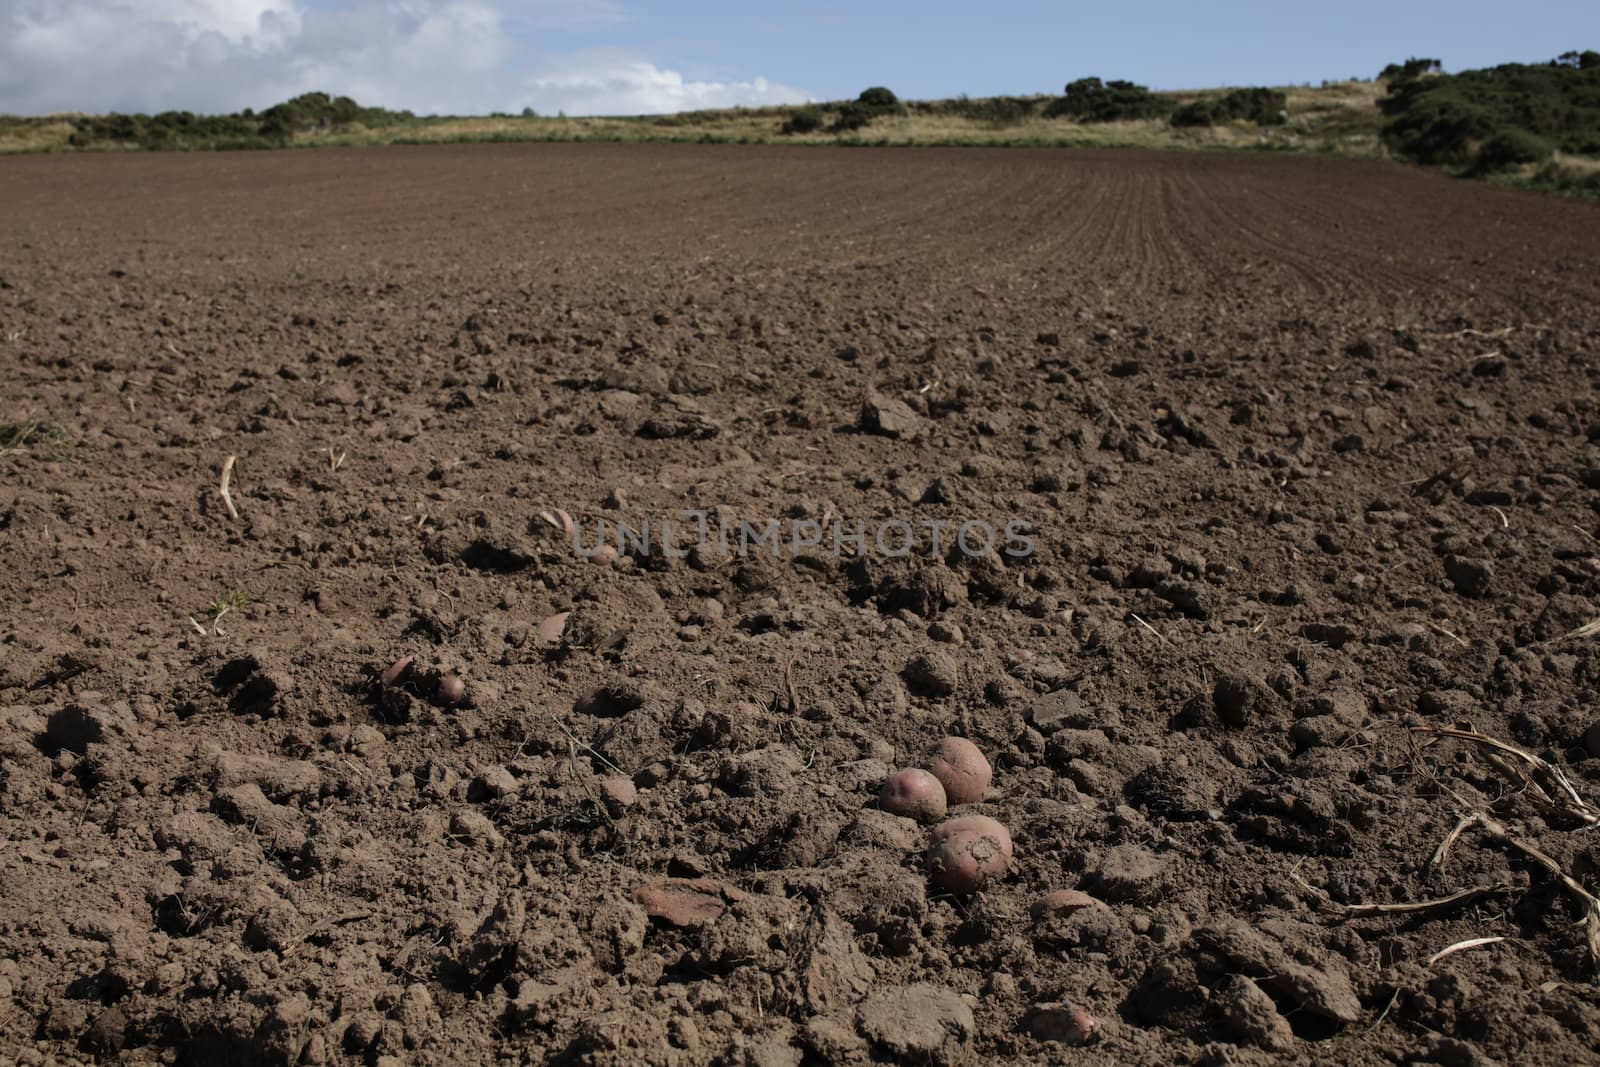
(1092, 100)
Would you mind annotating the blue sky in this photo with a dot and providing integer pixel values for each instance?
(634, 56)
(944, 48)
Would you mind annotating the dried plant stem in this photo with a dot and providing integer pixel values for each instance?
(1545, 782)
(1459, 946)
(1410, 907)
(222, 489)
(1450, 839)
(1591, 905)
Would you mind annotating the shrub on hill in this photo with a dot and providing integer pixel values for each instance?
(1510, 148)
(245, 129)
(804, 120)
(170, 129)
(866, 107)
(1092, 100)
(1450, 119)
(1264, 107)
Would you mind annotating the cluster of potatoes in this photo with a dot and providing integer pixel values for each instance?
(964, 853)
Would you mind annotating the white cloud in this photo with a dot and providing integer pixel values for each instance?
(606, 82)
(235, 20)
(429, 56)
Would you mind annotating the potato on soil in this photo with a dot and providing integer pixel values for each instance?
(451, 689)
(961, 769)
(914, 793)
(968, 852)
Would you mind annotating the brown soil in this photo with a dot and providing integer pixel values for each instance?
(1309, 453)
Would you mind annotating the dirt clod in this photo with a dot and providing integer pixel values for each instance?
(919, 1023)
(1063, 1023)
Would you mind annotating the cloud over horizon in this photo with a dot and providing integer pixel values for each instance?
(427, 56)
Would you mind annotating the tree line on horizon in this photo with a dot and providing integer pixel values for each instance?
(1479, 121)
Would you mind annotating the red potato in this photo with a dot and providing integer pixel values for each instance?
(451, 689)
(913, 793)
(968, 852)
(961, 769)
(604, 555)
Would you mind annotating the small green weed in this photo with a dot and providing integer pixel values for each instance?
(232, 600)
(39, 437)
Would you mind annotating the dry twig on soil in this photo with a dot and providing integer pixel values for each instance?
(1588, 629)
(1545, 782)
(1411, 907)
(222, 488)
(1437, 860)
(1459, 946)
(1591, 905)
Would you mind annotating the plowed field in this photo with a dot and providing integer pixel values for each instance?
(1291, 471)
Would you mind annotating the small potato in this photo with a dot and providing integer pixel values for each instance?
(914, 793)
(451, 689)
(967, 852)
(605, 555)
(961, 769)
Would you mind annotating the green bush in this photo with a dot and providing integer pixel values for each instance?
(853, 117)
(1264, 107)
(1511, 148)
(804, 120)
(859, 113)
(1091, 100)
(1445, 119)
(1198, 113)
(246, 129)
